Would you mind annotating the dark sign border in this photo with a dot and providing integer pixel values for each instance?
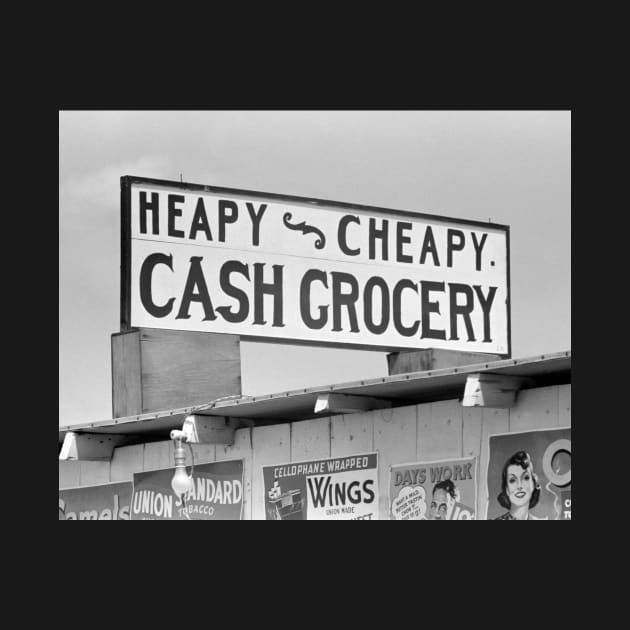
(126, 182)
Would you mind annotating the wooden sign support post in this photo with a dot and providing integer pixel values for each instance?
(154, 369)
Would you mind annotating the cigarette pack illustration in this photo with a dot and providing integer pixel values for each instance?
(286, 506)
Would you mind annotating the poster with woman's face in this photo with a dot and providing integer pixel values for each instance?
(529, 475)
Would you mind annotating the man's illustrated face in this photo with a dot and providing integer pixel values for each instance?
(439, 505)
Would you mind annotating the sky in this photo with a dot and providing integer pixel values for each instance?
(510, 167)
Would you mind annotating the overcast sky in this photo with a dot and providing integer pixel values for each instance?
(510, 167)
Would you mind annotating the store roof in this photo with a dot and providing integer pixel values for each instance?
(299, 404)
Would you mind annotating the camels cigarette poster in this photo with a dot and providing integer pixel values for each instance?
(101, 502)
(433, 491)
(340, 488)
(529, 476)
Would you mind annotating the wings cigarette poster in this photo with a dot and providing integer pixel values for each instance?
(433, 491)
(340, 488)
(529, 476)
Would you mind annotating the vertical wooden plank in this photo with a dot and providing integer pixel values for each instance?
(471, 431)
(423, 422)
(158, 455)
(395, 440)
(440, 431)
(535, 409)
(564, 405)
(272, 445)
(126, 461)
(92, 473)
(126, 385)
(493, 421)
(69, 474)
(351, 434)
(204, 453)
(472, 422)
(310, 439)
(241, 449)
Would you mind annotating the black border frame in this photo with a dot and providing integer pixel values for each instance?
(127, 181)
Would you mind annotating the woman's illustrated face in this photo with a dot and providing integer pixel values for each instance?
(520, 485)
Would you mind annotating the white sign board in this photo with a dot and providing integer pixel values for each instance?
(259, 265)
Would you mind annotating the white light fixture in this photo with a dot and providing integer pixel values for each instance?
(182, 482)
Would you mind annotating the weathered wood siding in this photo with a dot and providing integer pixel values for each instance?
(126, 374)
(155, 369)
(428, 431)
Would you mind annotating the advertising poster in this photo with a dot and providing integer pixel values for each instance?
(216, 494)
(433, 491)
(336, 489)
(104, 502)
(529, 476)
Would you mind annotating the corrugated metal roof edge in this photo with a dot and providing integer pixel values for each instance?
(231, 402)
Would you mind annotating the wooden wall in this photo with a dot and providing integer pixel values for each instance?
(434, 359)
(154, 369)
(428, 431)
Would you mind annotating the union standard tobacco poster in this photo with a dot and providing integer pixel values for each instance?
(216, 494)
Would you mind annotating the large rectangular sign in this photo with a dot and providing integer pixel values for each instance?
(103, 502)
(529, 475)
(335, 489)
(216, 494)
(259, 265)
(443, 490)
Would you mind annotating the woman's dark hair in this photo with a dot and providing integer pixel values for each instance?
(447, 485)
(522, 459)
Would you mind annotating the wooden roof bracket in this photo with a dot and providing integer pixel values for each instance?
(95, 447)
(348, 403)
(493, 390)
